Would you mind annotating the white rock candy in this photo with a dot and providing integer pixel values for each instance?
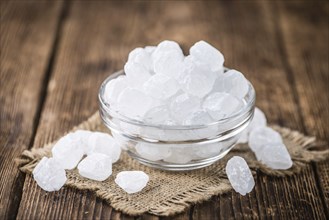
(160, 86)
(244, 136)
(159, 115)
(201, 117)
(105, 144)
(114, 88)
(49, 174)
(232, 82)
(132, 181)
(142, 58)
(134, 103)
(150, 49)
(96, 167)
(152, 152)
(239, 175)
(169, 63)
(196, 84)
(179, 155)
(206, 54)
(68, 151)
(221, 105)
(183, 105)
(259, 120)
(165, 47)
(129, 128)
(136, 74)
(207, 150)
(262, 136)
(195, 79)
(269, 148)
(275, 156)
(83, 136)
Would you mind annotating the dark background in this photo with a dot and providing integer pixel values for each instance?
(55, 54)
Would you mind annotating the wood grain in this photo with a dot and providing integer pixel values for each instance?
(93, 41)
(27, 37)
(307, 51)
(87, 53)
(250, 44)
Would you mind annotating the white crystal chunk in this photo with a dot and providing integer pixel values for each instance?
(159, 115)
(239, 175)
(150, 49)
(259, 120)
(134, 103)
(160, 86)
(169, 63)
(152, 152)
(244, 136)
(134, 53)
(105, 144)
(269, 148)
(263, 136)
(114, 88)
(49, 174)
(141, 57)
(207, 54)
(221, 105)
(183, 105)
(207, 150)
(130, 128)
(232, 82)
(195, 79)
(136, 73)
(83, 136)
(68, 151)
(179, 155)
(165, 47)
(275, 156)
(199, 117)
(132, 181)
(96, 167)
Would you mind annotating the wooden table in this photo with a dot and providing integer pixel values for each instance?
(55, 54)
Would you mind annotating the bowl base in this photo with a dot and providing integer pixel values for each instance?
(192, 165)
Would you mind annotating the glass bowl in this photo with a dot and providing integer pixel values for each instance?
(172, 147)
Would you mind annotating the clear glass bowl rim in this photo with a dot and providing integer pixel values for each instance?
(105, 106)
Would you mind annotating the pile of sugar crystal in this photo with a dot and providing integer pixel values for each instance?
(162, 86)
(92, 152)
(268, 146)
(266, 143)
(100, 150)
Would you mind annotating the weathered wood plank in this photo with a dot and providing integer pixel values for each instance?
(27, 37)
(182, 216)
(322, 169)
(307, 51)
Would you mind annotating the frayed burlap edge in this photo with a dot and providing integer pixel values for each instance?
(170, 193)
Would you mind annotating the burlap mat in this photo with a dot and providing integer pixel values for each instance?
(167, 192)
